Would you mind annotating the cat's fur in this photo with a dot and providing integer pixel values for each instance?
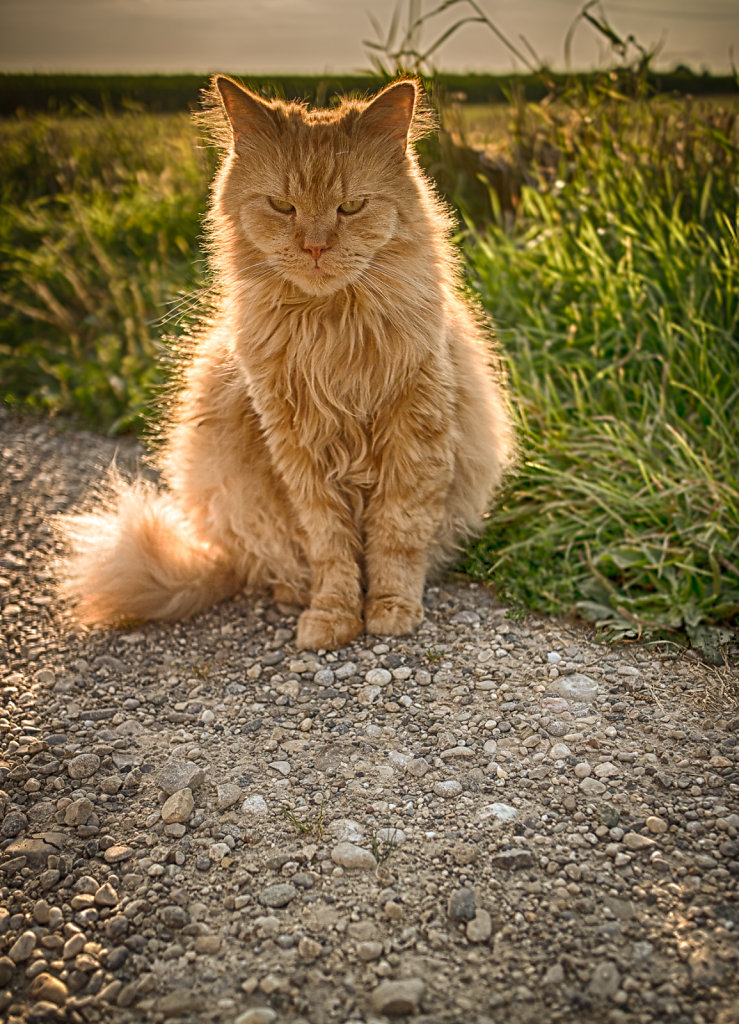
(339, 428)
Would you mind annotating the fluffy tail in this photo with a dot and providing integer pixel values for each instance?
(137, 557)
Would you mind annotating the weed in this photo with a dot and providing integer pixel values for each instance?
(385, 845)
(312, 828)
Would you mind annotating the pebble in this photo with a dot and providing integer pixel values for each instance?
(369, 950)
(349, 855)
(117, 853)
(257, 1015)
(513, 859)
(78, 812)
(178, 807)
(46, 988)
(179, 775)
(378, 677)
(309, 949)
(605, 980)
(480, 928)
(448, 789)
(499, 811)
(227, 794)
(636, 841)
(656, 825)
(13, 824)
(23, 946)
(593, 787)
(398, 998)
(461, 906)
(83, 766)
(255, 807)
(577, 687)
(106, 896)
(278, 895)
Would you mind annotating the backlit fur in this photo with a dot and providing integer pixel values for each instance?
(342, 422)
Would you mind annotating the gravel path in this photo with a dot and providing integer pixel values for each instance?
(495, 820)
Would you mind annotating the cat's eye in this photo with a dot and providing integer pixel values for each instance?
(351, 206)
(281, 205)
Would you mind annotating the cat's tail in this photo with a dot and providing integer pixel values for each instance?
(136, 556)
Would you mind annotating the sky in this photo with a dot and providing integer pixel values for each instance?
(255, 37)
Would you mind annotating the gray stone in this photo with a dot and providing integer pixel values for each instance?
(278, 895)
(227, 794)
(417, 767)
(577, 687)
(605, 980)
(13, 824)
(174, 917)
(78, 812)
(461, 906)
(448, 788)
(83, 766)
(177, 775)
(348, 855)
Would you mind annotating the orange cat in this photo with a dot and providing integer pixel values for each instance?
(339, 429)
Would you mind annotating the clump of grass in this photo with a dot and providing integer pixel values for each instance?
(616, 295)
(305, 826)
(99, 221)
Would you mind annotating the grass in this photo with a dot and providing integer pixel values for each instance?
(99, 227)
(608, 258)
(616, 294)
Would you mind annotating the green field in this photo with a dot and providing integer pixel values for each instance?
(600, 234)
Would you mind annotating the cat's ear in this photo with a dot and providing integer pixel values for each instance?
(248, 114)
(391, 112)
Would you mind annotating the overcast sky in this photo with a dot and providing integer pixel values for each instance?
(255, 37)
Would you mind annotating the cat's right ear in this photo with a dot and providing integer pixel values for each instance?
(247, 113)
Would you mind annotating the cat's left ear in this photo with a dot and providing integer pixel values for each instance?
(391, 113)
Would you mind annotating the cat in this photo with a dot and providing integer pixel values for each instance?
(343, 420)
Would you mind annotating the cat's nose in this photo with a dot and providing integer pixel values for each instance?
(316, 251)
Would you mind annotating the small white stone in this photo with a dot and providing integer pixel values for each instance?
(255, 807)
(378, 677)
(499, 811)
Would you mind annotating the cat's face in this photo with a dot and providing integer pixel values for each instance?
(318, 194)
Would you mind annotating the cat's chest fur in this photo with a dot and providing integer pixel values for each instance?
(331, 367)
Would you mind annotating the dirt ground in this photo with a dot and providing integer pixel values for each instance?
(494, 820)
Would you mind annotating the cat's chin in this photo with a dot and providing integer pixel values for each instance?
(320, 284)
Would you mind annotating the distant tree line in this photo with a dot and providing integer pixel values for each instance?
(70, 94)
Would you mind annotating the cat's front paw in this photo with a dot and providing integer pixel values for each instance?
(391, 616)
(327, 629)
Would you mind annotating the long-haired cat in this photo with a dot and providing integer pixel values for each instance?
(339, 429)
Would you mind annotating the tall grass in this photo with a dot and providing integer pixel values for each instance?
(616, 294)
(99, 227)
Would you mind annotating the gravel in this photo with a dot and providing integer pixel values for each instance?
(495, 819)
